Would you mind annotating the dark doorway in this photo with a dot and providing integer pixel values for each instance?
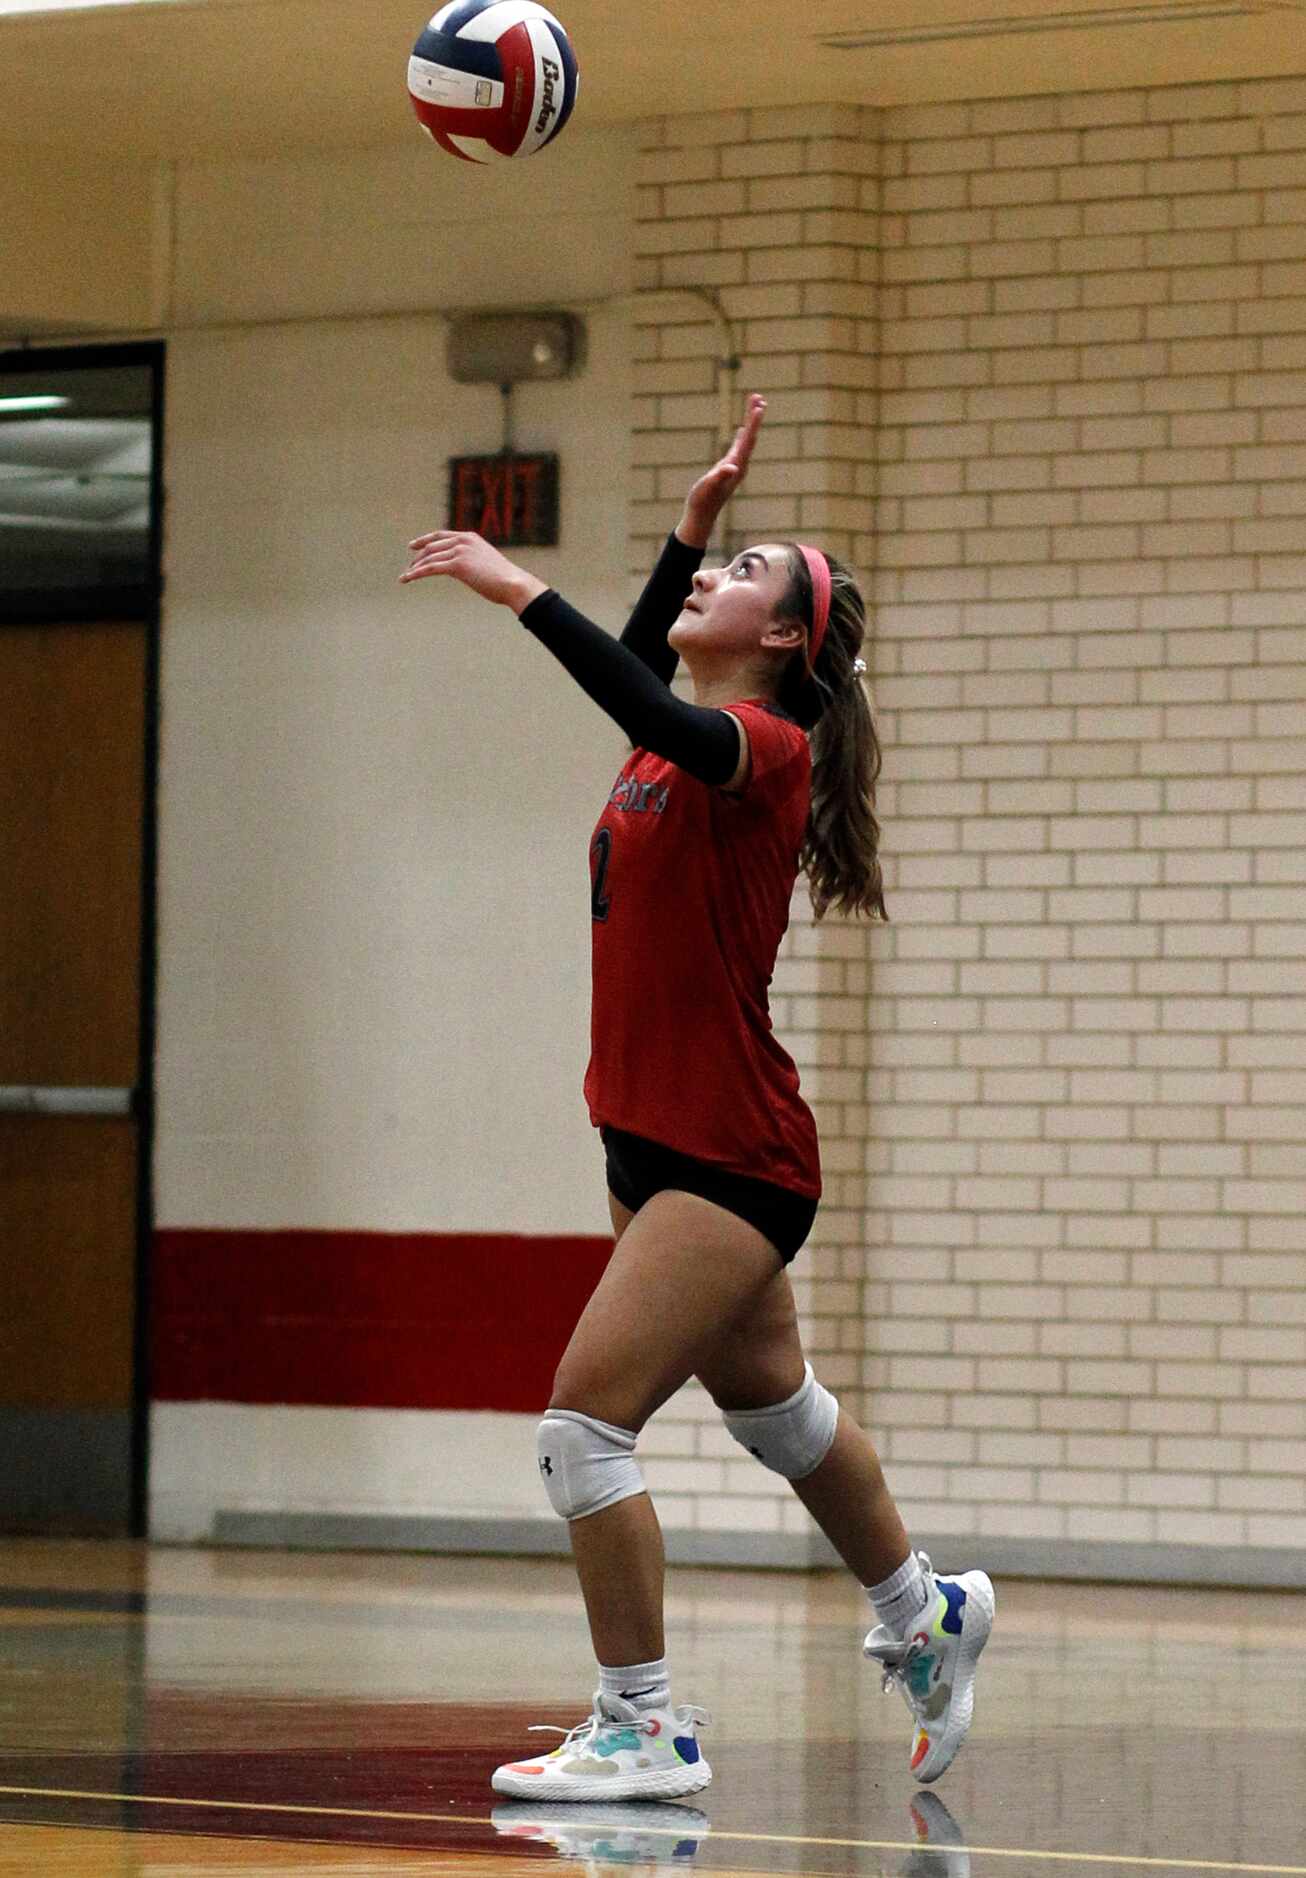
(80, 436)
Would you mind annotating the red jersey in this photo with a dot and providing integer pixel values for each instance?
(691, 891)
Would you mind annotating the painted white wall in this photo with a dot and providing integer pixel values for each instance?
(375, 801)
(229, 1457)
(400, 228)
(76, 241)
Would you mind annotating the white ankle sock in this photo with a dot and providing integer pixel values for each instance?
(900, 1598)
(645, 1685)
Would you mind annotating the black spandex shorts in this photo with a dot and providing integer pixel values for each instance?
(637, 1169)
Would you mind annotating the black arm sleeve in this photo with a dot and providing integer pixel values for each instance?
(658, 607)
(704, 743)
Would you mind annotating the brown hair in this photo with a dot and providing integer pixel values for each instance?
(839, 854)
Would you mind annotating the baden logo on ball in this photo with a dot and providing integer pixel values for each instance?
(492, 79)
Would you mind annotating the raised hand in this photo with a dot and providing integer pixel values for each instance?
(472, 560)
(713, 490)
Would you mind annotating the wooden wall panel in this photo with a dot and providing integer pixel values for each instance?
(67, 1261)
(72, 704)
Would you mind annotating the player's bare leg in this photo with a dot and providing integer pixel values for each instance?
(850, 1501)
(932, 1628)
(759, 1361)
(681, 1269)
(756, 1361)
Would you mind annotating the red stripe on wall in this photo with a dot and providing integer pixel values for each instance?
(366, 1320)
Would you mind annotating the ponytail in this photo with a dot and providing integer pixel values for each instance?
(840, 847)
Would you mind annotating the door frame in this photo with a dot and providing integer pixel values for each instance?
(143, 604)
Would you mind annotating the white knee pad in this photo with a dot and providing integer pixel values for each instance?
(586, 1464)
(791, 1437)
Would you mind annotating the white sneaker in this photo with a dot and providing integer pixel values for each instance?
(934, 1665)
(619, 1752)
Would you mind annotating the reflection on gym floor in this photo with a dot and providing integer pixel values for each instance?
(188, 1712)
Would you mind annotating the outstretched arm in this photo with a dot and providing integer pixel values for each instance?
(704, 743)
(659, 605)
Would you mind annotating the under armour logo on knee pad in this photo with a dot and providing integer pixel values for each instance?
(586, 1465)
(798, 1432)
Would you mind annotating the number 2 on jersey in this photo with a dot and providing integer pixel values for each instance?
(601, 850)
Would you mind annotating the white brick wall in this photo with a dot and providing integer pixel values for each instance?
(1038, 368)
(776, 215)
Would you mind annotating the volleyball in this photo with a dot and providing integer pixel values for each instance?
(492, 79)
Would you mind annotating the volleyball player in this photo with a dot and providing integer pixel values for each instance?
(713, 1167)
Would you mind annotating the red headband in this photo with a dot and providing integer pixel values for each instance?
(819, 569)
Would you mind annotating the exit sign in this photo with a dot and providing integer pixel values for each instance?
(511, 500)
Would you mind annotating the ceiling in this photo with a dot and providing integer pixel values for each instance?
(204, 79)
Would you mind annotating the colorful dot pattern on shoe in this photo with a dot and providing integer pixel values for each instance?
(955, 1599)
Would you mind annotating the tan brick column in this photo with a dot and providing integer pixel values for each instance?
(756, 246)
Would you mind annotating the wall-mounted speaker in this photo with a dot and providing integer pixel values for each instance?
(509, 348)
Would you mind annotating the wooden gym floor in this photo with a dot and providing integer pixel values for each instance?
(193, 1712)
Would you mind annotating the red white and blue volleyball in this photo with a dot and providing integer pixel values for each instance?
(491, 79)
